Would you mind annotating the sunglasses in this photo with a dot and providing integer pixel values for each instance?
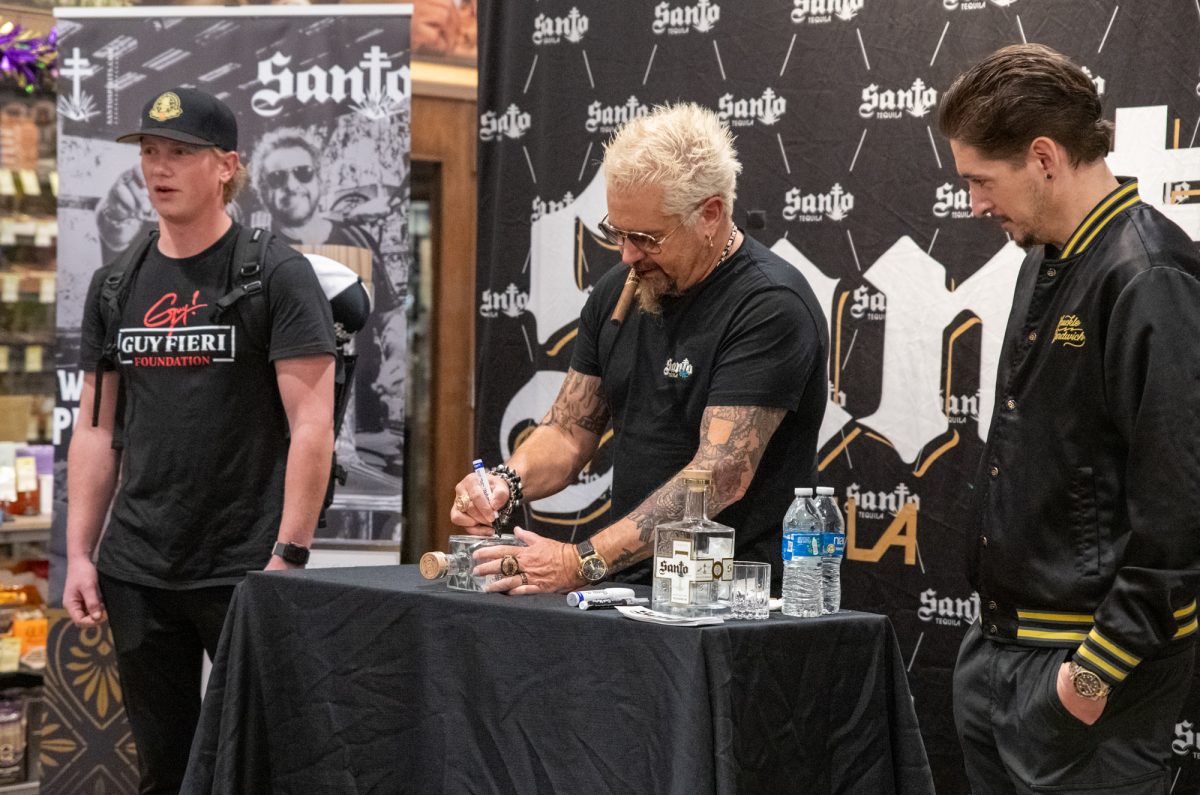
(279, 179)
(647, 244)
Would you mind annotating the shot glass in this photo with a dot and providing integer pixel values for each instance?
(751, 589)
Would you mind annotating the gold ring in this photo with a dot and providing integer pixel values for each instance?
(509, 566)
(524, 578)
(462, 502)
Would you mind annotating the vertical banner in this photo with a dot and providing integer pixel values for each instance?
(833, 103)
(322, 99)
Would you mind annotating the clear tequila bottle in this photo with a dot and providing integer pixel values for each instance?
(455, 566)
(693, 557)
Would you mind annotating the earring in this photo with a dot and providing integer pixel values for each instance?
(708, 238)
(1047, 176)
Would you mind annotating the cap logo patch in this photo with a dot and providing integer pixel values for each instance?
(166, 107)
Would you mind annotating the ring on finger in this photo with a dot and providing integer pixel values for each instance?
(524, 578)
(462, 502)
(510, 566)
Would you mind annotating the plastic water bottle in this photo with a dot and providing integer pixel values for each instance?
(801, 557)
(833, 548)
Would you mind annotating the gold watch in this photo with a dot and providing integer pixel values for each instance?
(592, 566)
(1087, 683)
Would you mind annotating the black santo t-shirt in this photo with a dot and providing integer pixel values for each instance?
(750, 334)
(205, 434)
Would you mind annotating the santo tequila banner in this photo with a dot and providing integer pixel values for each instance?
(833, 104)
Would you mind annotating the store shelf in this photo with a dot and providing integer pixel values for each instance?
(25, 529)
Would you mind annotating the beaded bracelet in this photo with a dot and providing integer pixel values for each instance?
(515, 494)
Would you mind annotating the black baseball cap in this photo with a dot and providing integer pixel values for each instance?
(190, 116)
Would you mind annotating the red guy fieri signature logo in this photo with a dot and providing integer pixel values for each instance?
(166, 312)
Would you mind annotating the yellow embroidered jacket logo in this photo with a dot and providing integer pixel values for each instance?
(1069, 332)
(167, 106)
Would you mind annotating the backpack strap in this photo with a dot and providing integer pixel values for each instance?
(249, 254)
(114, 291)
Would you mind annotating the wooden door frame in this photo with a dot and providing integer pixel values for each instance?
(444, 131)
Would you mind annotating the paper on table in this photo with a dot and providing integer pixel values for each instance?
(638, 613)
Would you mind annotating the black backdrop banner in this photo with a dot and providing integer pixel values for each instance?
(833, 104)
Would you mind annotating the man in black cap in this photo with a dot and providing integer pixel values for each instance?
(227, 430)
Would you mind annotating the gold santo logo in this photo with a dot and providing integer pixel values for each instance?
(166, 107)
(1069, 332)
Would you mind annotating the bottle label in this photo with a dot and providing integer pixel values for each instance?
(834, 544)
(26, 474)
(8, 483)
(801, 545)
(680, 569)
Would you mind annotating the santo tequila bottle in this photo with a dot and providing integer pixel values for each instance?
(693, 557)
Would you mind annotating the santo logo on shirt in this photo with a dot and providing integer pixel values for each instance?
(680, 370)
(1069, 332)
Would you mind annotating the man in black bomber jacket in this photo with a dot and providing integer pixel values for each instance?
(1087, 545)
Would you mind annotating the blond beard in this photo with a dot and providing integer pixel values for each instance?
(650, 292)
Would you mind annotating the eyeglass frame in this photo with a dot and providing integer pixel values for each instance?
(609, 231)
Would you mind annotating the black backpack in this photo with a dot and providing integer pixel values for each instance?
(351, 308)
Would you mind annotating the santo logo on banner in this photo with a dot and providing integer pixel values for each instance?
(816, 12)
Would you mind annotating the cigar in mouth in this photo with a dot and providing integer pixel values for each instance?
(627, 295)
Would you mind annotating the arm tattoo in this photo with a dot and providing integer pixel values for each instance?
(628, 557)
(664, 505)
(579, 403)
(732, 442)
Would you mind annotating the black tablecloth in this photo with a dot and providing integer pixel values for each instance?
(374, 680)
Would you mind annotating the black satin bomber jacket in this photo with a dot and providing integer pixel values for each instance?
(1088, 492)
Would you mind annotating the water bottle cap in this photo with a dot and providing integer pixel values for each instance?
(824, 491)
(804, 492)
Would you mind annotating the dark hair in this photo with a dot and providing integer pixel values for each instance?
(1019, 93)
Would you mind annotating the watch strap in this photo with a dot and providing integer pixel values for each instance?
(292, 553)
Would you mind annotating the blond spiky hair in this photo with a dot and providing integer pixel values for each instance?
(682, 148)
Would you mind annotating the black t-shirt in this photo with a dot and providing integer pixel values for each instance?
(205, 433)
(750, 334)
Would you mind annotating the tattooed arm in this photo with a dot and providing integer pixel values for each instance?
(552, 456)
(732, 442)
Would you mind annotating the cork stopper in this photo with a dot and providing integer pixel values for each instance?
(696, 479)
(434, 565)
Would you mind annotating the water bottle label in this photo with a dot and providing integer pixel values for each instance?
(801, 545)
(834, 544)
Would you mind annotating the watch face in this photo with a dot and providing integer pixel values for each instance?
(593, 568)
(1087, 684)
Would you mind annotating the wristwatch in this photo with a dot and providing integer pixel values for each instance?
(291, 553)
(1086, 683)
(592, 567)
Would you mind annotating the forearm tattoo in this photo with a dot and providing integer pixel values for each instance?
(579, 403)
(628, 557)
(732, 442)
(663, 505)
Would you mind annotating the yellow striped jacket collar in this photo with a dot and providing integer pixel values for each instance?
(1121, 199)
